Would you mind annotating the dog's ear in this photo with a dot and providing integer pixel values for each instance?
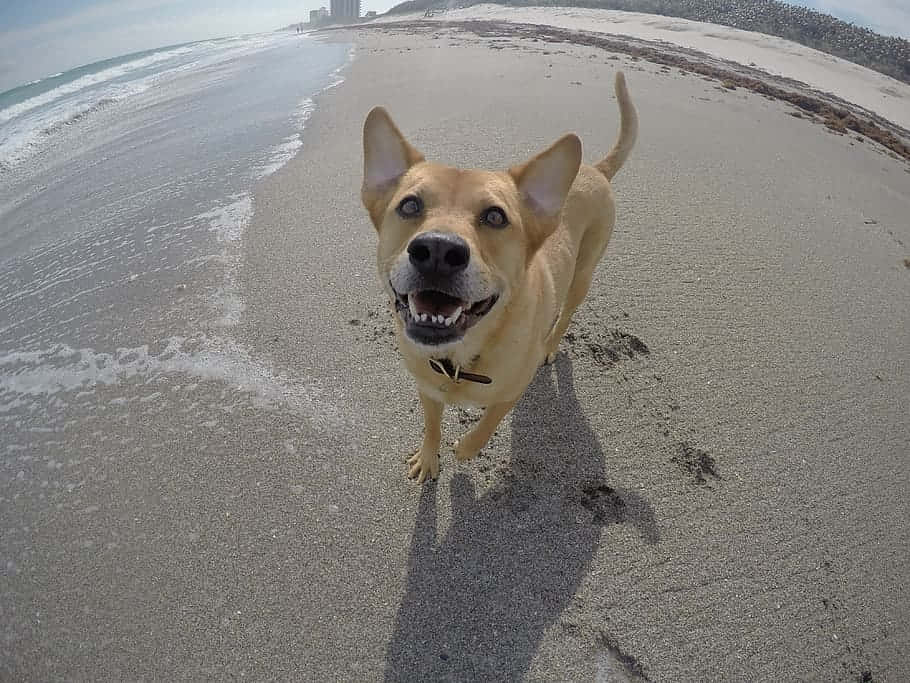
(544, 181)
(386, 157)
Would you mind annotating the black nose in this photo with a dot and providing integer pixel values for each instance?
(439, 253)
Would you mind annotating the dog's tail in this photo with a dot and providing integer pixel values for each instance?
(628, 131)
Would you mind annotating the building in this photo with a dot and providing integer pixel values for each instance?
(345, 9)
(318, 15)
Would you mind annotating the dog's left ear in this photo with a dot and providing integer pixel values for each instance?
(386, 156)
(544, 181)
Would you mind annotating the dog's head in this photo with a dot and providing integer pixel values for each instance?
(454, 244)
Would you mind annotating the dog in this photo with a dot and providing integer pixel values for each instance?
(484, 269)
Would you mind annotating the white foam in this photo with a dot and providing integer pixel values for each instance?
(339, 79)
(228, 222)
(303, 112)
(280, 155)
(32, 377)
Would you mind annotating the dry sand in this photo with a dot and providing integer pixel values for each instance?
(870, 89)
(710, 484)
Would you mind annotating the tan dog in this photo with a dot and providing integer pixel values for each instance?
(485, 268)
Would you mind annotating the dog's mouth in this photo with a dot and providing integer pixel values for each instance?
(433, 317)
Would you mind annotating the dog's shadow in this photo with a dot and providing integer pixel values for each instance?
(478, 601)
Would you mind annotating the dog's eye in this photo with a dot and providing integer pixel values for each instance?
(410, 206)
(494, 217)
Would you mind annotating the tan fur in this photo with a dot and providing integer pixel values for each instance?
(541, 265)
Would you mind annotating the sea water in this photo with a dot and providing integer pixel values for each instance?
(125, 189)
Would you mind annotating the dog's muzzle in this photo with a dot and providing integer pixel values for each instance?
(435, 309)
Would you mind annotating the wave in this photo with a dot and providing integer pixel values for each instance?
(87, 81)
(27, 124)
(20, 139)
(44, 78)
(78, 116)
(16, 148)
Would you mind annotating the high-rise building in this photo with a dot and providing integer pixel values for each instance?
(345, 9)
(318, 15)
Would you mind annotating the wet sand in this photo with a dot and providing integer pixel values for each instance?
(710, 483)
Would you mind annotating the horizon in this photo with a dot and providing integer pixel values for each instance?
(98, 30)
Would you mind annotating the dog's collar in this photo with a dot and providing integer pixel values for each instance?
(445, 367)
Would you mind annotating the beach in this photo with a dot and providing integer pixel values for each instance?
(709, 484)
(773, 55)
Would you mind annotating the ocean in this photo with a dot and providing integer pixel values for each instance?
(125, 189)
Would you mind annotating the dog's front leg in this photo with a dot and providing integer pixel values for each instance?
(425, 462)
(470, 444)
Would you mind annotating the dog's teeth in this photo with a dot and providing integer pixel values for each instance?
(451, 320)
(423, 317)
(413, 308)
(439, 319)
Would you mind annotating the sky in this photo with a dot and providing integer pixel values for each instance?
(42, 37)
(888, 17)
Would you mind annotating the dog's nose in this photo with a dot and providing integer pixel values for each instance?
(439, 253)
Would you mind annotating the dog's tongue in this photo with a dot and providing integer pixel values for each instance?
(435, 303)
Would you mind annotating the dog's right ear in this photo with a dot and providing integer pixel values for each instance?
(386, 157)
(544, 183)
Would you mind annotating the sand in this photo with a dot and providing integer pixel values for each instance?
(710, 484)
(870, 89)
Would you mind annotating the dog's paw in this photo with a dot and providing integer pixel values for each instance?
(464, 451)
(551, 358)
(423, 466)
